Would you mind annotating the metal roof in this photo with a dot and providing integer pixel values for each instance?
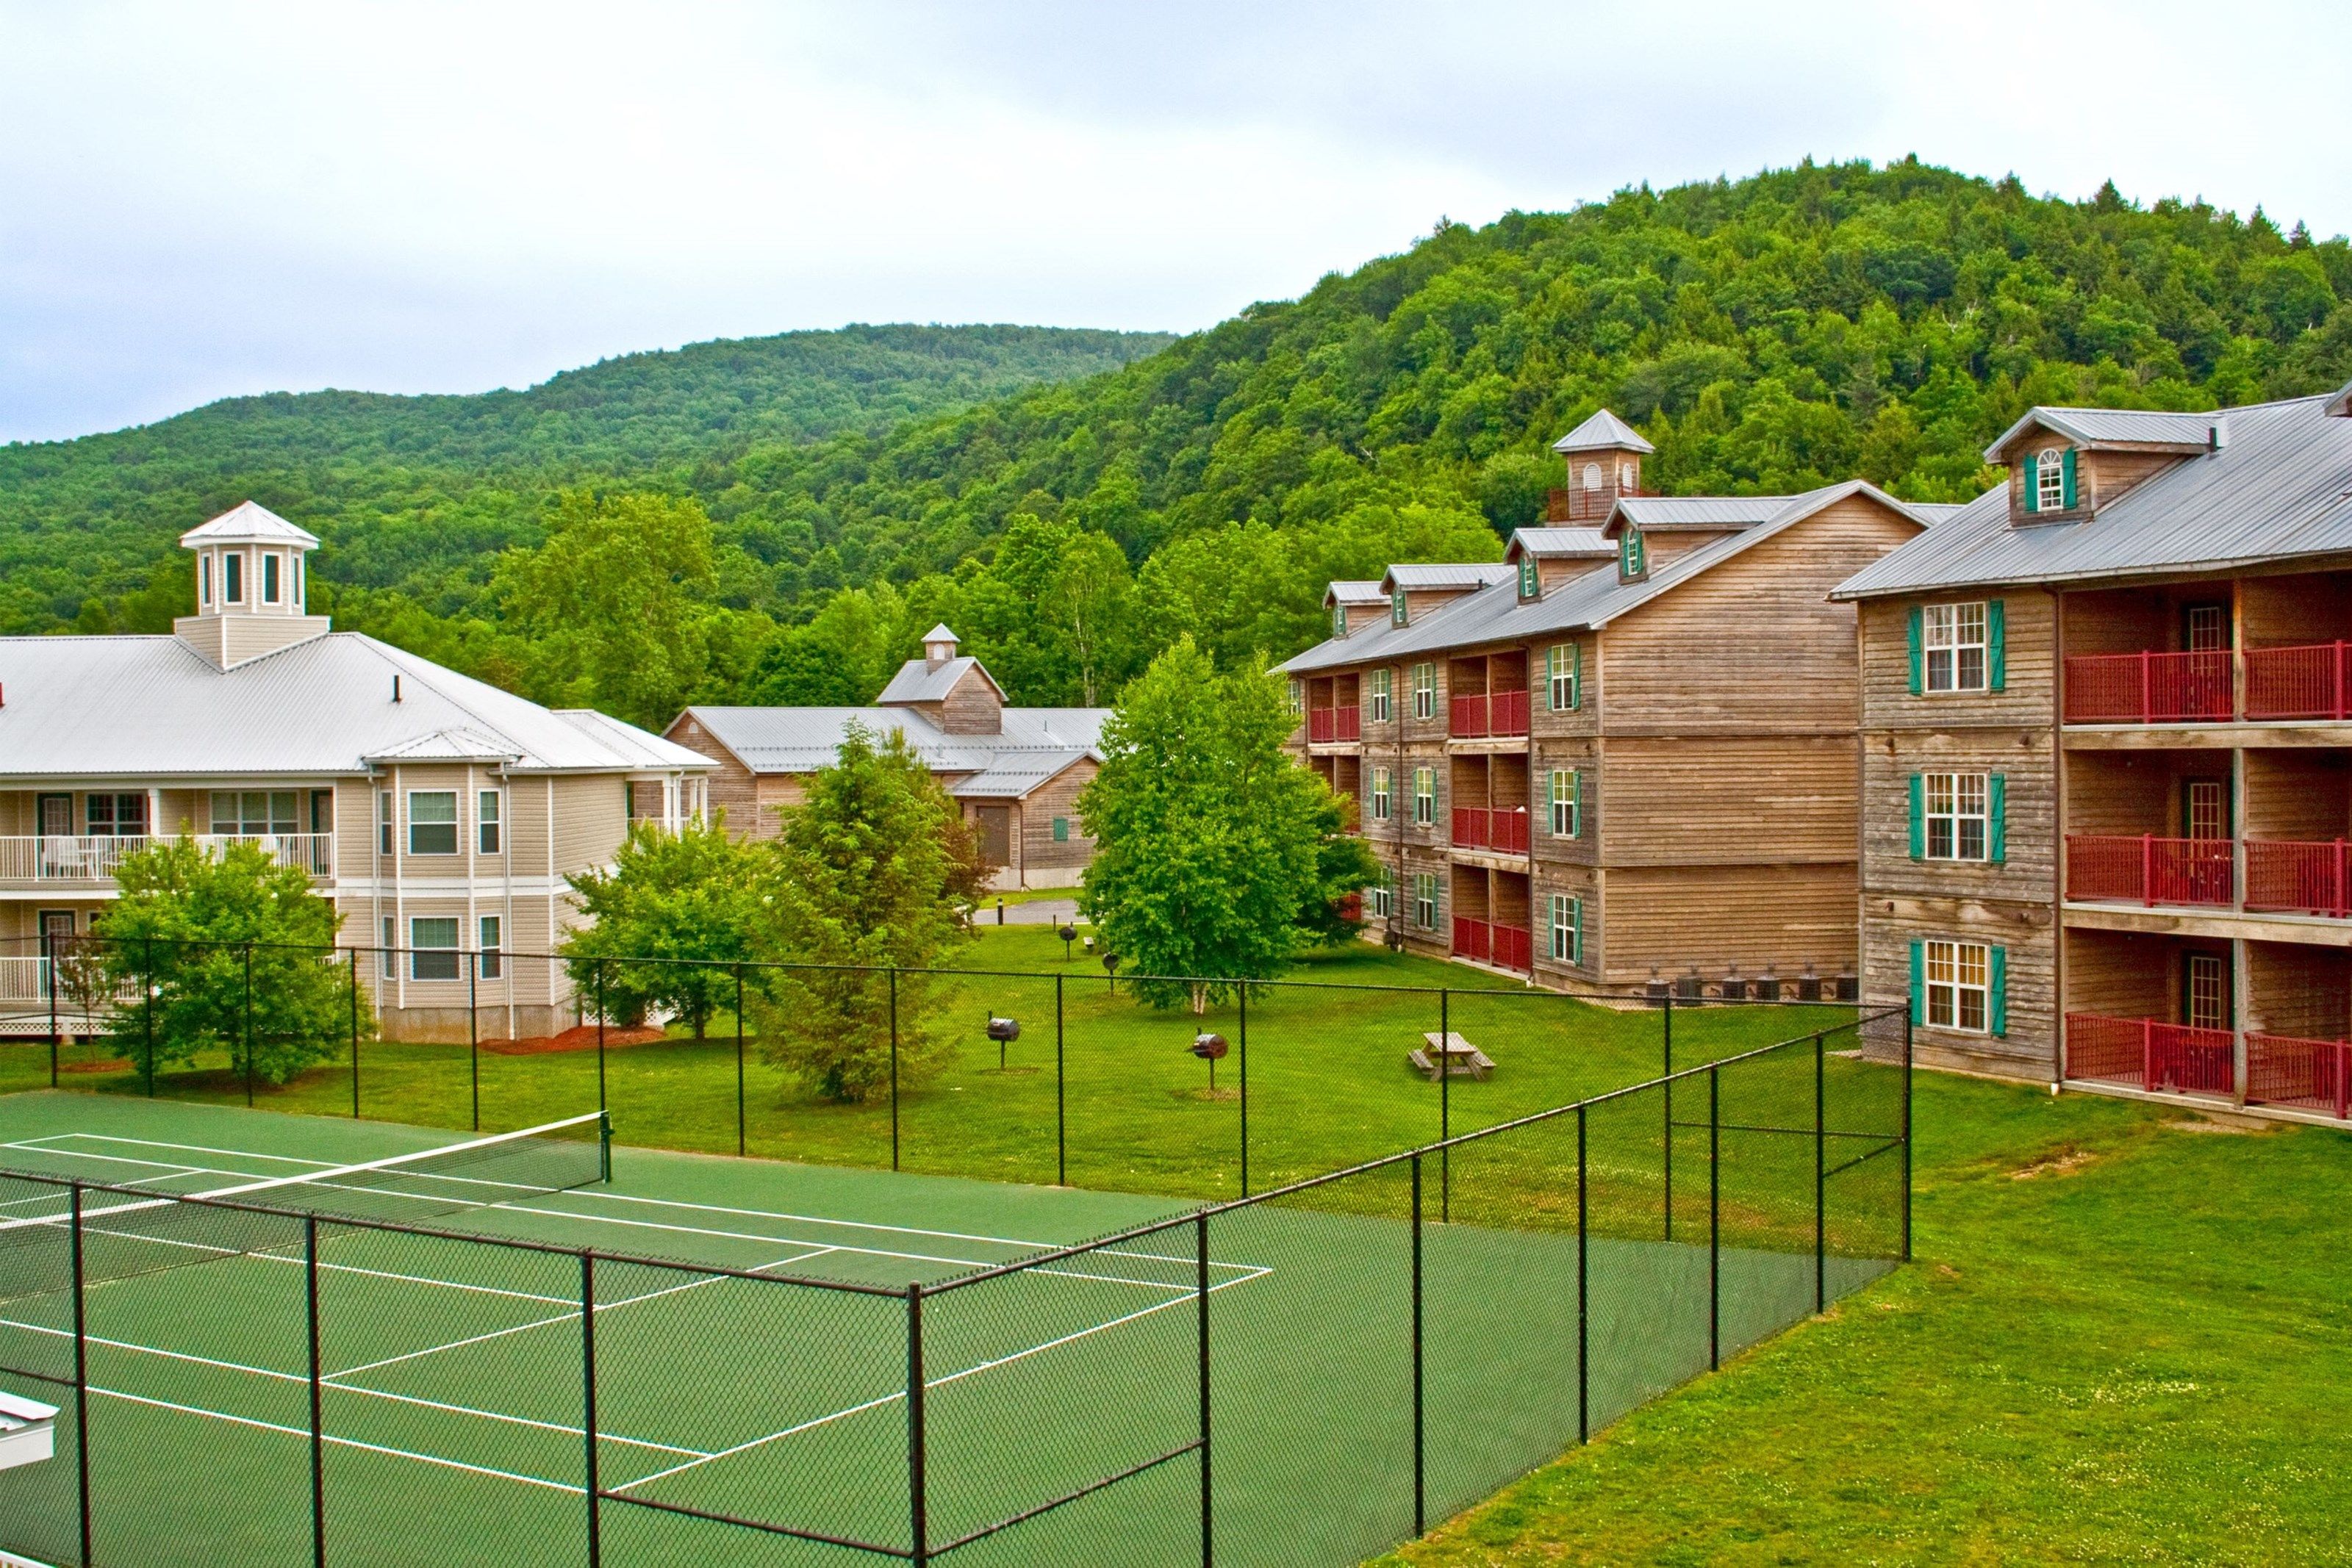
(1555, 544)
(2111, 426)
(2280, 489)
(2340, 405)
(1498, 614)
(1354, 591)
(916, 681)
(1603, 432)
(249, 522)
(153, 708)
(1670, 512)
(1446, 574)
(1036, 743)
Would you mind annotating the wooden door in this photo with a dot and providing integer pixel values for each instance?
(996, 834)
(2206, 1001)
(2205, 809)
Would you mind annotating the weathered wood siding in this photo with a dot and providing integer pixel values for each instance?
(1729, 801)
(1668, 918)
(2029, 698)
(2029, 1049)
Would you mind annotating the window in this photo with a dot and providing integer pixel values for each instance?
(1396, 607)
(1592, 476)
(269, 564)
(432, 824)
(255, 813)
(1425, 901)
(1567, 803)
(1531, 581)
(1384, 783)
(2205, 808)
(2050, 481)
(384, 826)
(493, 959)
(1298, 706)
(1339, 621)
(1380, 897)
(1425, 796)
(1566, 928)
(2208, 982)
(1424, 691)
(1061, 830)
(1959, 986)
(1381, 682)
(1632, 555)
(298, 582)
(388, 957)
(233, 577)
(486, 821)
(1959, 816)
(433, 941)
(1626, 476)
(2206, 628)
(1564, 665)
(116, 816)
(1955, 647)
(205, 578)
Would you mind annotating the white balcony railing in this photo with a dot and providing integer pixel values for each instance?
(90, 859)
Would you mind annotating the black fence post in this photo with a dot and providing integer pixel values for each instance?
(49, 974)
(894, 1067)
(918, 1511)
(1061, 1097)
(1820, 1186)
(1714, 1218)
(318, 1423)
(1584, 1297)
(1420, 1428)
(1906, 1137)
(473, 1032)
(147, 963)
(1445, 1104)
(81, 1378)
(1244, 1052)
(355, 1034)
(594, 1488)
(1208, 1504)
(248, 1023)
(740, 1132)
(601, 1103)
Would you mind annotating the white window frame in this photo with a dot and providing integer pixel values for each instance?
(2202, 968)
(273, 577)
(238, 825)
(1424, 800)
(1959, 986)
(456, 840)
(489, 822)
(1564, 671)
(205, 571)
(2050, 480)
(1425, 690)
(420, 949)
(491, 955)
(1957, 808)
(1297, 710)
(1424, 899)
(1593, 477)
(1383, 794)
(1339, 621)
(1958, 634)
(1566, 929)
(299, 585)
(1566, 810)
(388, 959)
(1531, 579)
(233, 577)
(1383, 696)
(387, 827)
(1380, 896)
(1398, 611)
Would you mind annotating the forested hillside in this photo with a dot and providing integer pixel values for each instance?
(1794, 328)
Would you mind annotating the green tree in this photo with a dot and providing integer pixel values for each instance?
(673, 907)
(1207, 835)
(1344, 866)
(610, 602)
(867, 888)
(238, 949)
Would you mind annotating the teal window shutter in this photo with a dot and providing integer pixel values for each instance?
(1918, 982)
(1914, 637)
(1528, 580)
(1996, 644)
(1576, 804)
(2033, 483)
(1061, 830)
(2067, 477)
(1396, 607)
(1578, 905)
(1997, 991)
(1576, 674)
(1997, 818)
(1918, 817)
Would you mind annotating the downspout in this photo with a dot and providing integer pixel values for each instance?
(1400, 700)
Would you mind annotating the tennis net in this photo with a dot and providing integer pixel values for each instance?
(123, 1238)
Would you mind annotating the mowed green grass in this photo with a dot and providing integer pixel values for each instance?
(1328, 1079)
(2128, 1339)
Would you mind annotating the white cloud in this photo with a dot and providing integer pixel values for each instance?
(205, 201)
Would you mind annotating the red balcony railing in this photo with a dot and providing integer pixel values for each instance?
(2147, 870)
(2310, 681)
(1324, 725)
(1490, 942)
(2290, 878)
(2150, 1054)
(1485, 828)
(1500, 712)
(2149, 688)
(2313, 1074)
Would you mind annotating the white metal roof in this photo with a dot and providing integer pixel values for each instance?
(153, 708)
(249, 522)
(1603, 432)
(916, 681)
(1037, 742)
(1445, 574)
(1354, 591)
(1555, 544)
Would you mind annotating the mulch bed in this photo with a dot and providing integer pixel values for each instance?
(580, 1037)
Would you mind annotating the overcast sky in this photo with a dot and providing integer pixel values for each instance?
(201, 201)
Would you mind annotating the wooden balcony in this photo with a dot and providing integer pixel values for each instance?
(2149, 688)
(2149, 871)
(2145, 1053)
(2287, 877)
(1485, 827)
(1488, 942)
(1494, 714)
(1327, 725)
(2309, 1074)
(2311, 682)
(67, 861)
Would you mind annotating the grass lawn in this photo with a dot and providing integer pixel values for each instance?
(1328, 1083)
(2127, 1338)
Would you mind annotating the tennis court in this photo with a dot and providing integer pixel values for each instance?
(789, 1365)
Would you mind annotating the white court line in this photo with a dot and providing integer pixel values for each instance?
(385, 1394)
(930, 1383)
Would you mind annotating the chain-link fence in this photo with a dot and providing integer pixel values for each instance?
(1305, 1375)
(1068, 1077)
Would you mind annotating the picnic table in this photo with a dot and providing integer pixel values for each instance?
(1461, 1059)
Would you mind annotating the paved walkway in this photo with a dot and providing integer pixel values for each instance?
(1036, 912)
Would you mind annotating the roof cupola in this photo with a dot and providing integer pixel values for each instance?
(252, 586)
(1604, 461)
(938, 646)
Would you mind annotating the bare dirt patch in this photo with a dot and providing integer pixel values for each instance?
(2064, 1162)
(581, 1037)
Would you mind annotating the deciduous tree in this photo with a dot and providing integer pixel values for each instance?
(674, 908)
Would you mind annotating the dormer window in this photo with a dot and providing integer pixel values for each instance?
(1530, 584)
(2050, 482)
(1593, 476)
(1632, 555)
(1396, 607)
(1339, 621)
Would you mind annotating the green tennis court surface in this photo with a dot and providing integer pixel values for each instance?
(453, 1373)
